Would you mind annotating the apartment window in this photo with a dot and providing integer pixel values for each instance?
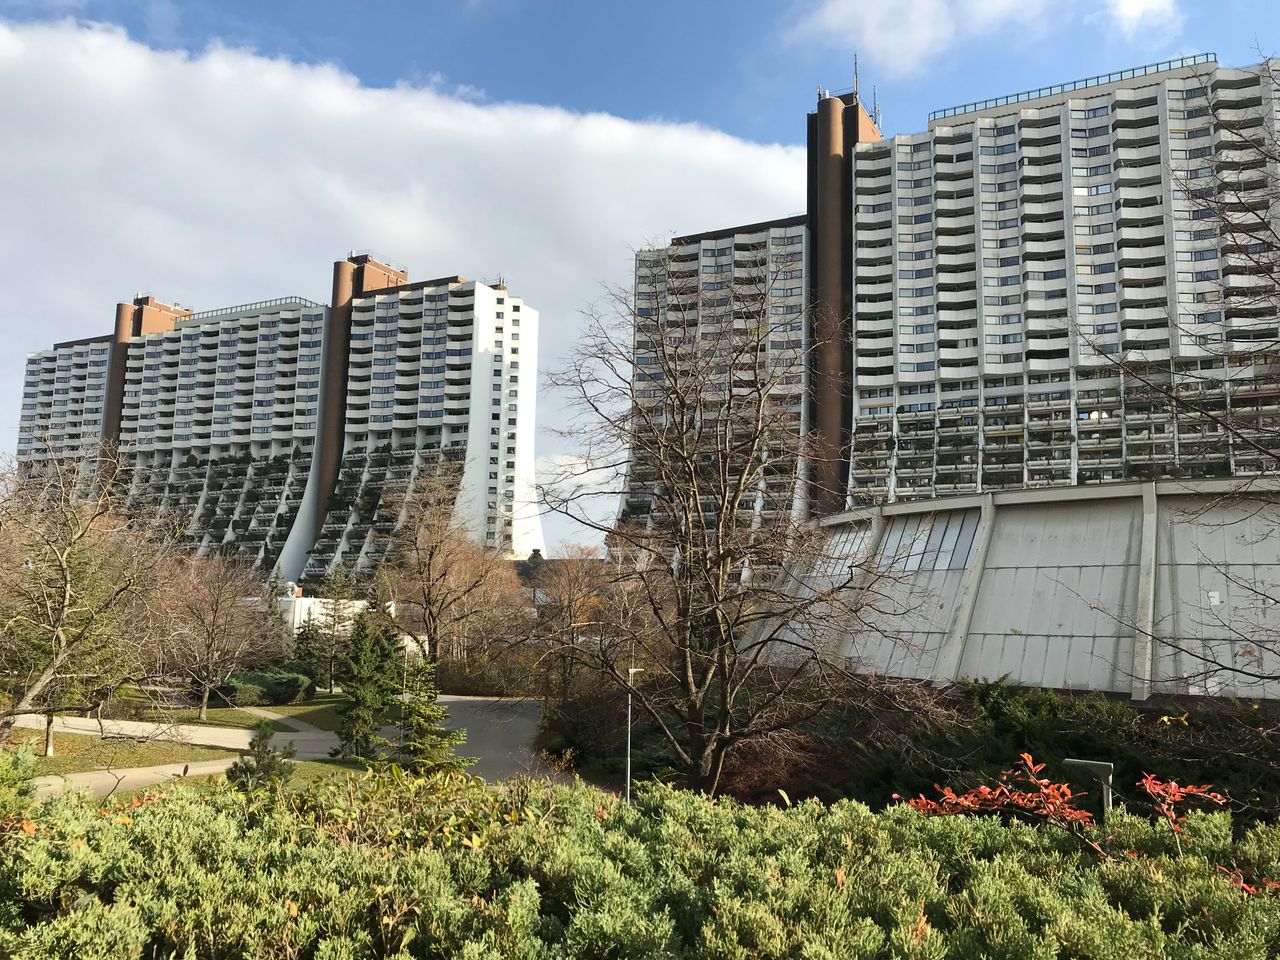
(1090, 113)
(1096, 190)
(1086, 229)
(992, 243)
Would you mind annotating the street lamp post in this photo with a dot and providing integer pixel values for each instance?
(631, 675)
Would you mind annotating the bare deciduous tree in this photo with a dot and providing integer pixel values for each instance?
(691, 409)
(220, 620)
(454, 596)
(78, 584)
(569, 593)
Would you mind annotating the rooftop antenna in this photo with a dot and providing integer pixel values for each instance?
(875, 106)
(855, 76)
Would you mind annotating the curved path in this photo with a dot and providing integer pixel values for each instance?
(311, 743)
(500, 735)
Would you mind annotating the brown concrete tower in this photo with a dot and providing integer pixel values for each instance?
(144, 315)
(357, 275)
(834, 129)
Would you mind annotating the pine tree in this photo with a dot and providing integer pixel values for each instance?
(309, 648)
(427, 747)
(369, 671)
(264, 762)
(339, 592)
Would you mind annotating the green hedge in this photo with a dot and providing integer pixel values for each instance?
(259, 688)
(851, 751)
(409, 868)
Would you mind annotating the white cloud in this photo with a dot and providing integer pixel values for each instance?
(904, 36)
(1149, 21)
(227, 177)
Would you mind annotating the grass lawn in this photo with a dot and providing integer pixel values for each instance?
(320, 711)
(77, 753)
(218, 717)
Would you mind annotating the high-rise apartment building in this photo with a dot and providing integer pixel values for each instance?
(737, 299)
(287, 429)
(1015, 287)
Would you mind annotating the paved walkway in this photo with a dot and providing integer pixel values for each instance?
(312, 744)
(100, 783)
(500, 733)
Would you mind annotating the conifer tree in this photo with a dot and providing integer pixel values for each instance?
(309, 648)
(369, 671)
(426, 745)
(264, 762)
(339, 592)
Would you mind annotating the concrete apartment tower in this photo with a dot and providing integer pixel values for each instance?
(278, 427)
(969, 287)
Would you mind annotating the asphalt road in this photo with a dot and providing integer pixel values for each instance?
(500, 733)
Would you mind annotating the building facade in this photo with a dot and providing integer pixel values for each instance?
(734, 303)
(289, 430)
(1028, 269)
(1007, 298)
(1137, 589)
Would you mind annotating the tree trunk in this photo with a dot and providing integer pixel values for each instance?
(204, 702)
(48, 734)
(28, 698)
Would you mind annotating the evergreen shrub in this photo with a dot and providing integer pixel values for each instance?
(402, 866)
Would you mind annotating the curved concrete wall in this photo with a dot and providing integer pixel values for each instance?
(1137, 589)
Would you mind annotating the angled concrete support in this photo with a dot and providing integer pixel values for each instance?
(1145, 620)
(951, 656)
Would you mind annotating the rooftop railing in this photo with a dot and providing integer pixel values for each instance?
(1130, 74)
(259, 306)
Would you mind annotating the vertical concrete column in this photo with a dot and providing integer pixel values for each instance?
(117, 361)
(826, 220)
(330, 433)
(1145, 621)
(951, 655)
(326, 456)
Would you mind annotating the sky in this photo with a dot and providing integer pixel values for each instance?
(221, 153)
